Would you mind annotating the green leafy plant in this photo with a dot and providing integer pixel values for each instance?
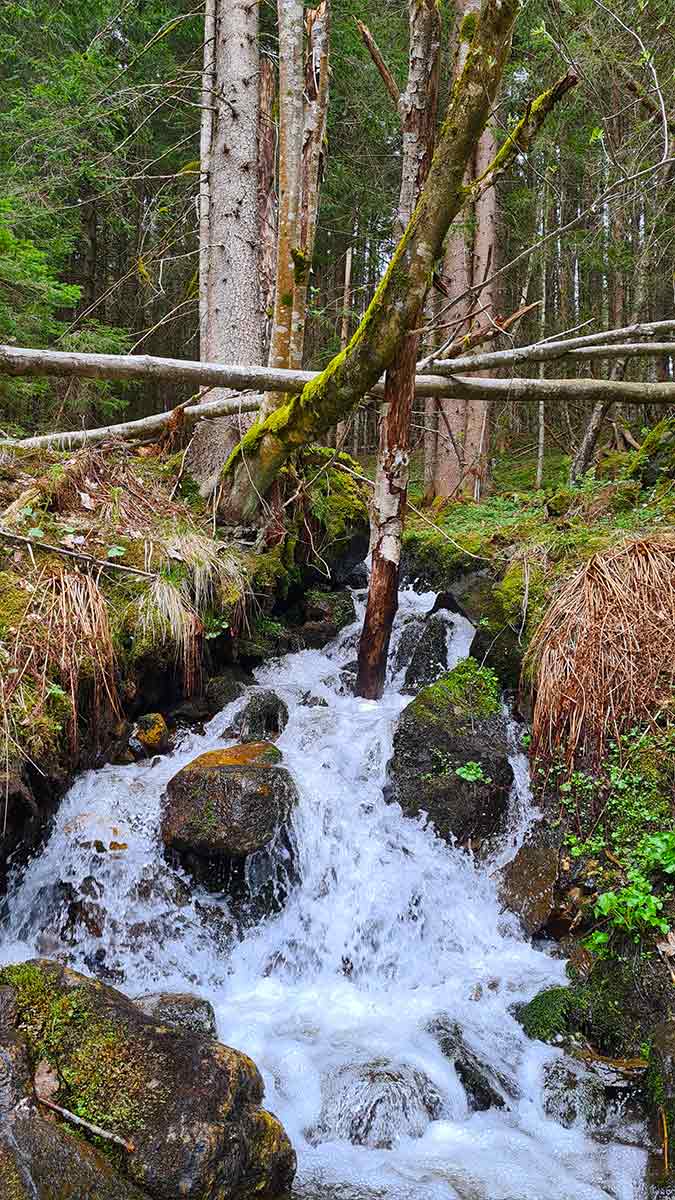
(472, 772)
(634, 909)
(657, 852)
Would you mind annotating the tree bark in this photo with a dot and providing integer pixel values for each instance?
(477, 441)
(317, 77)
(418, 107)
(291, 123)
(400, 298)
(205, 154)
(267, 202)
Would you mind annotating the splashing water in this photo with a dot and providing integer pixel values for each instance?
(388, 931)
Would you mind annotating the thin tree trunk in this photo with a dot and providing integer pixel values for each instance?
(341, 431)
(267, 172)
(542, 366)
(317, 77)
(477, 444)
(418, 107)
(291, 123)
(205, 153)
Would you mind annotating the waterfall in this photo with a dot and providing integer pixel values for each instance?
(388, 935)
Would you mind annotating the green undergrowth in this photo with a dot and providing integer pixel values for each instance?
(619, 830)
(528, 541)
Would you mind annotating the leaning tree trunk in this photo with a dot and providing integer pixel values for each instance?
(418, 107)
(399, 300)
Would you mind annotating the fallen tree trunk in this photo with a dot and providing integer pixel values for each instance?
(20, 362)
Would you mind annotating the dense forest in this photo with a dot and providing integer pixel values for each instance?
(337, 600)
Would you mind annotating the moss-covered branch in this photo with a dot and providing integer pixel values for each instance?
(400, 297)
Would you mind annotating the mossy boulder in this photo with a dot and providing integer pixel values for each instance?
(213, 807)
(188, 1108)
(338, 507)
(229, 825)
(150, 736)
(326, 614)
(264, 716)
(615, 1008)
(430, 562)
(450, 757)
(655, 460)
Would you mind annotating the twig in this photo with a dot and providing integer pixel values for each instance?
(95, 1129)
(98, 562)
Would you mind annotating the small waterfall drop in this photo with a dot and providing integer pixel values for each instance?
(336, 998)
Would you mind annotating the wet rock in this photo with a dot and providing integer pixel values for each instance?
(448, 602)
(149, 736)
(39, 1160)
(409, 639)
(264, 754)
(190, 1014)
(348, 678)
(573, 1096)
(212, 807)
(229, 826)
(357, 577)
(262, 718)
(191, 713)
(485, 1088)
(528, 886)
(376, 1103)
(430, 656)
(327, 613)
(310, 701)
(188, 1107)
(222, 689)
(450, 758)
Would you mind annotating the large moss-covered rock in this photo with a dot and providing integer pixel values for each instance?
(450, 756)
(226, 817)
(655, 460)
(212, 807)
(188, 1108)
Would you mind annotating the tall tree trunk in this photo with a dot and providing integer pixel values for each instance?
(205, 156)
(401, 295)
(291, 125)
(317, 77)
(234, 329)
(231, 320)
(477, 442)
(418, 107)
(267, 203)
(458, 272)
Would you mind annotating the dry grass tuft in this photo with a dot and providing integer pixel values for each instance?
(603, 658)
(63, 640)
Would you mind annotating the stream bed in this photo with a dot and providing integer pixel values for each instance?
(387, 933)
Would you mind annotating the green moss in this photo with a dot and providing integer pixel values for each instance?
(14, 602)
(656, 458)
(340, 606)
(301, 265)
(337, 501)
(468, 27)
(617, 464)
(522, 596)
(468, 691)
(102, 1069)
(547, 1016)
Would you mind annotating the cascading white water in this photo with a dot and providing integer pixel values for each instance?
(387, 931)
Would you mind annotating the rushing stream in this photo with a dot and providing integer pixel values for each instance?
(387, 931)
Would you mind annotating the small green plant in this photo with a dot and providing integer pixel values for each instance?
(472, 772)
(657, 852)
(634, 909)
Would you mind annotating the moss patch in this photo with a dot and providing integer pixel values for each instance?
(468, 691)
